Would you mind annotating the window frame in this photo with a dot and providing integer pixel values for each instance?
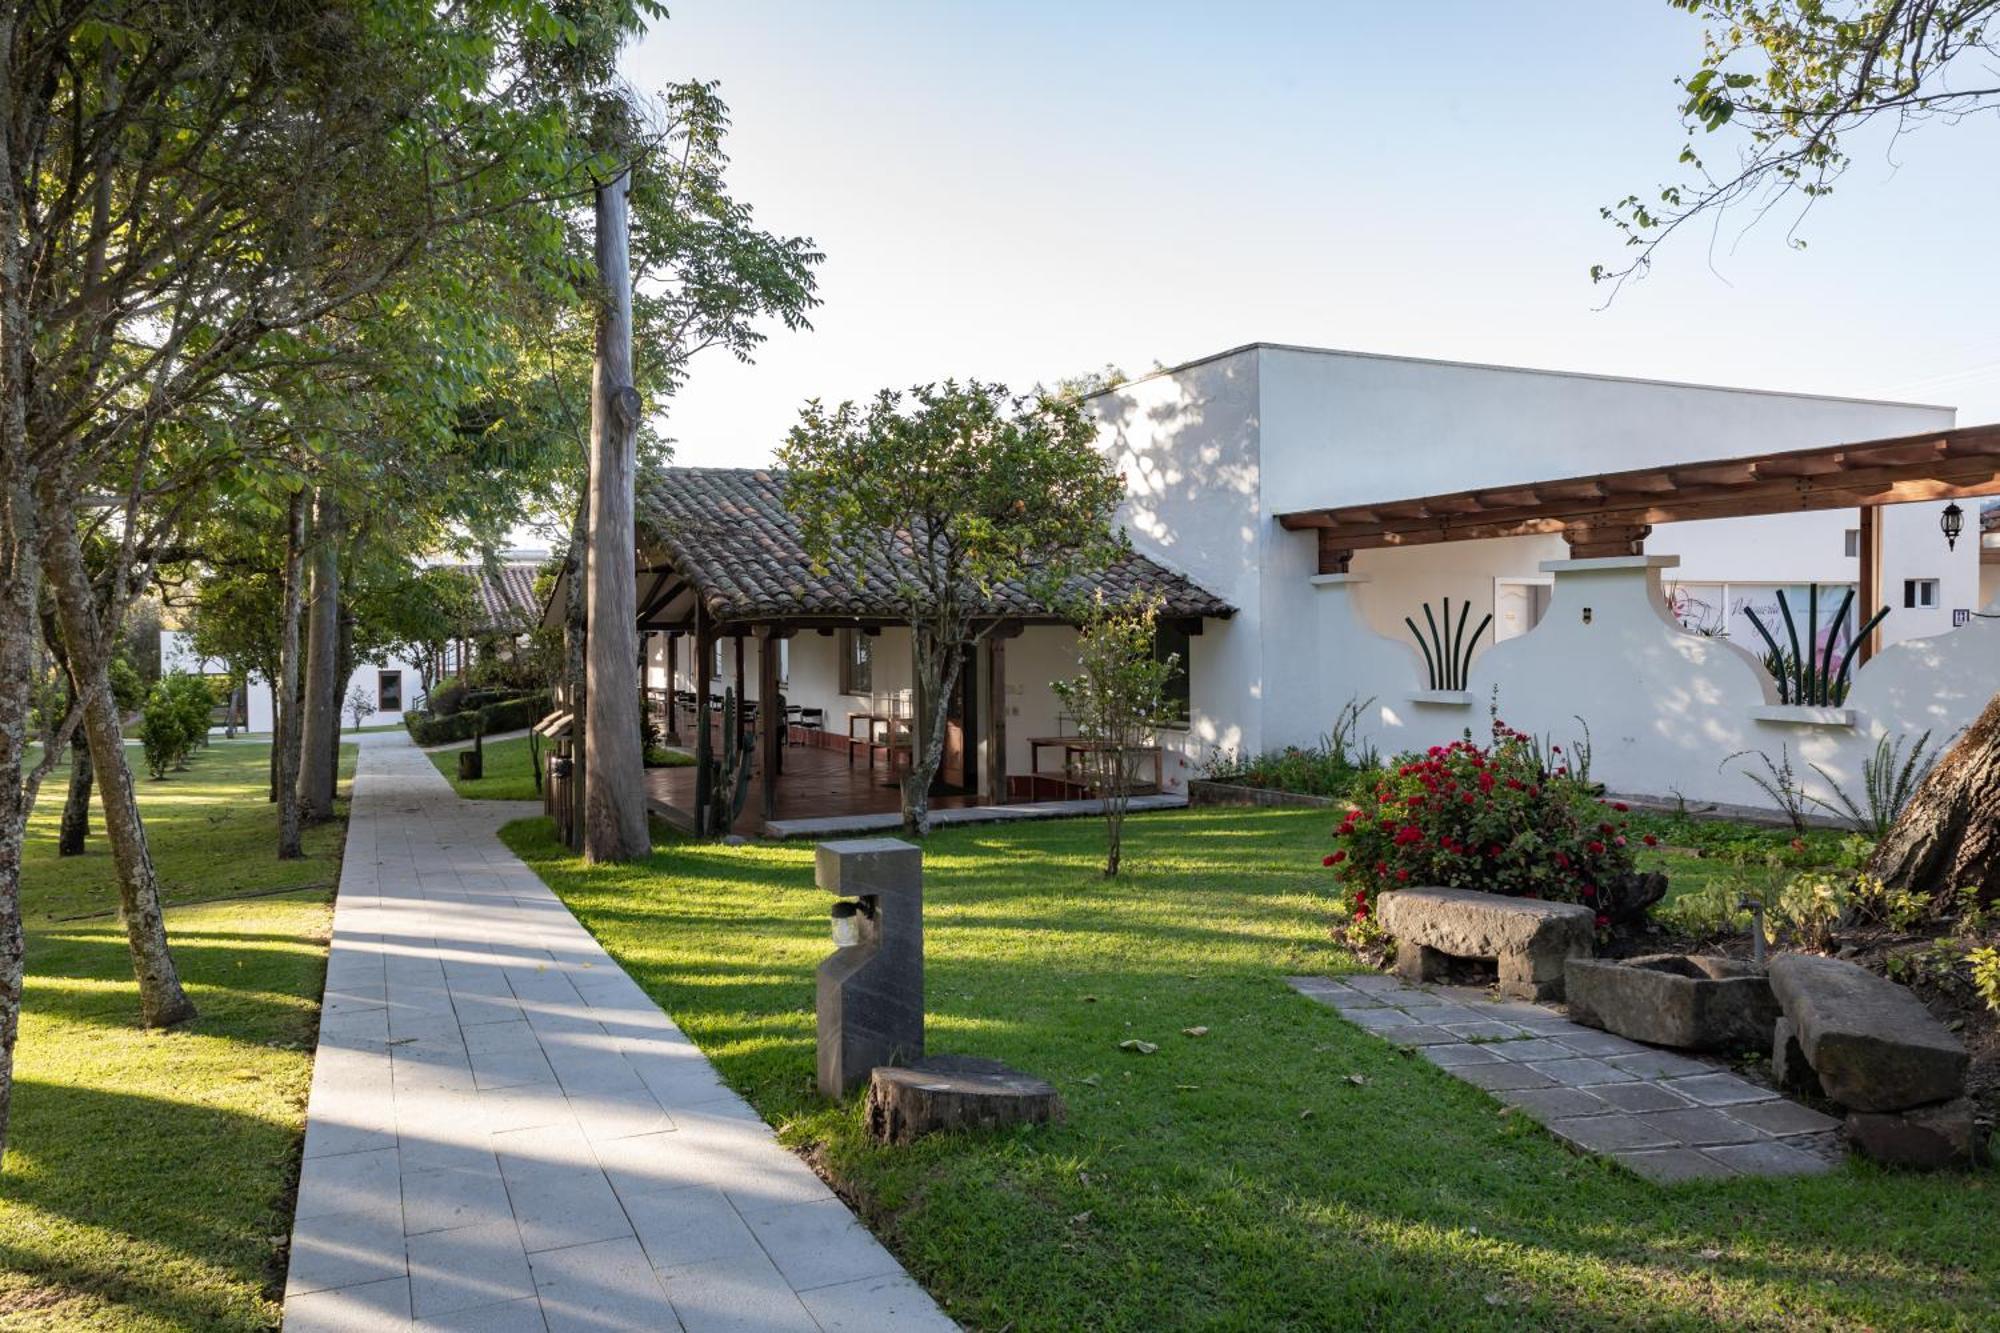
(383, 675)
(857, 650)
(1922, 595)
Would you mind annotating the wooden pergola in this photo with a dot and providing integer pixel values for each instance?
(1612, 513)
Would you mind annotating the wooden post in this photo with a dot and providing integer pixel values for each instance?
(704, 680)
(1333, 557)
(1590, 542)
(1871, 578)
(996, 715)
(614, 826)
(673, 684)
(741, 696)
(770, 717)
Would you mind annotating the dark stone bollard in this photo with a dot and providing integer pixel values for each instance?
(871, 991)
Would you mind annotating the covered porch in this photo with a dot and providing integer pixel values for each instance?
(816, 669)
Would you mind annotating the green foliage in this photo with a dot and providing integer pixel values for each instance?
(1889, 778)
(175, 722)
(514, 714)
(1779, 782)
(1796, 78)
(1985, 967)
(1460, 816)
(1117, 698)
(1308, 770)
(728, 772)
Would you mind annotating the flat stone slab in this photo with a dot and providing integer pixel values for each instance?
(1528, 939)
(1871, 1042)
(1667, 1118)
(1925, 1138)
(1686, 1001)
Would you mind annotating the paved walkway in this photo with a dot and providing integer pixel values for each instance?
(1665, 1116)
(506, 1133)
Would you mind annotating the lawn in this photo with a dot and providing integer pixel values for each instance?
(509, 776)
(149, 1174)
(1285, 1170)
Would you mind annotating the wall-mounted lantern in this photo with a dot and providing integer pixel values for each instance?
(1953, 523)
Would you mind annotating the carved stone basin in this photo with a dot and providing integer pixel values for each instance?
(1688, 1001)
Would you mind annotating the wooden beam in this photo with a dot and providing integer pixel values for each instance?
(996, 719)
(770, 718)
(1871, 577)
(704, 744)
(1593, 541)
(1333, 557)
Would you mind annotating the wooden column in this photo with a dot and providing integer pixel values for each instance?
(673, 683)
(996, 714)
(1871, 577)
(741, 696)
(704, 743)
(1333, 557)
(770, 717)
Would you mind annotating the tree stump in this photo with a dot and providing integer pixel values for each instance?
(1948, 837)
(470, 765)
(955, 1092)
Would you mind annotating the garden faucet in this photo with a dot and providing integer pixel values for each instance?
(1755, 906)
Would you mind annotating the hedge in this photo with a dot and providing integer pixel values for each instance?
(508, 715)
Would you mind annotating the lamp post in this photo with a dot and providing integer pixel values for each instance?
(1953, 523)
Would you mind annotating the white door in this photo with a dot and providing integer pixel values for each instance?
(1518, 606)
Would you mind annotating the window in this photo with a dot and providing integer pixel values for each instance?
(1171, 639)
(389, 691)
(1853, 550)
(857, 662)
(1920, 594)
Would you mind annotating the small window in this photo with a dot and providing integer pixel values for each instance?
(857, 662)
(1854, 543)
(389, 692)
(1171, 639)
(1920, 594)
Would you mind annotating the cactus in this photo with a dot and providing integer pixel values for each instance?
(729, 773)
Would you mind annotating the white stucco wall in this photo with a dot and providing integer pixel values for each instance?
(175, 655)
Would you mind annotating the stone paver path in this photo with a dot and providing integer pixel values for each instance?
(506, 1133)
(1667, 1117)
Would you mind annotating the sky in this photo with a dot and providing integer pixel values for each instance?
(1026, 191)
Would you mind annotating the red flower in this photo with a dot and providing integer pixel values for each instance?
(1596, 848)
(1402, 877)
(1620, 807)
(1332, 860)
(1361, 911)
(1588, 893)
(1602, 921)
(1650, 840)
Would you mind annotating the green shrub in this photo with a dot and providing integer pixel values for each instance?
(514, 714)
(1313, 771)
(1497, 820)
(447, 699)
(175, 721)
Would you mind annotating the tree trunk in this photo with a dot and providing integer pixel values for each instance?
(576, 692)
(937, 667)
(286, 730)
(20, 584)
(1948, 837)
(162, 1002)
(75, 830)
(321, 711)
(614, 812)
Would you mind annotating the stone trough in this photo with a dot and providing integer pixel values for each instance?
(1680, 1000)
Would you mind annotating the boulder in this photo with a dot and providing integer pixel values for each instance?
(1528, 939)
(1789, 1067)
(1871, 1042)
(1926, 1138)
(1677, 1000)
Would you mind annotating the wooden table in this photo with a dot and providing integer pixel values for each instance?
(1077, 747)
(887, 721)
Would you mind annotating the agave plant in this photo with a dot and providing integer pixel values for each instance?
(1447, 652)
(1806, 676)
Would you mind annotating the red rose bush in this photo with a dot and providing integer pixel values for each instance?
(1496, 819)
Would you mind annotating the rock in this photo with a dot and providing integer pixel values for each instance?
(1527, 938)
(1674, 1000)
(1872, 1043)
(955, 1092)
(1789, 1067)
(1925, 1138)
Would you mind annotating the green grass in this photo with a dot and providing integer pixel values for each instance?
(149, 1174)
(1241, 1180)
(509, 776)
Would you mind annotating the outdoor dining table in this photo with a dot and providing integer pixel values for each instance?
(1078, 746)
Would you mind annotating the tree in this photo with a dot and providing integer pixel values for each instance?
(186, 189)
(360, 705)
(1118, 697)
(1799, 79)
(953, 490)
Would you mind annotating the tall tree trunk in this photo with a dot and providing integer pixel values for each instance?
(575, 670)
(161, 1000)
(343, 671)
(936, 679)
(285, 735)
(322, 686)
(75, 830)
(1948, 837)
(20, 583)
(614, 811)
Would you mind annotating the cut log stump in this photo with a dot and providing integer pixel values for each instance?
(470, 765)
(955, 1092)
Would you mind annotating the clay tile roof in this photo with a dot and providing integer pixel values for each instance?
(727, 531)
(507, 592)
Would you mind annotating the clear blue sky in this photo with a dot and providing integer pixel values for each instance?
(1029, 190)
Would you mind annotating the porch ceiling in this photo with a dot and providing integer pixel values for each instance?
(1938, 465)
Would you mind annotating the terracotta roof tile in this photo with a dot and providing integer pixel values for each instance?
(727, 531)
